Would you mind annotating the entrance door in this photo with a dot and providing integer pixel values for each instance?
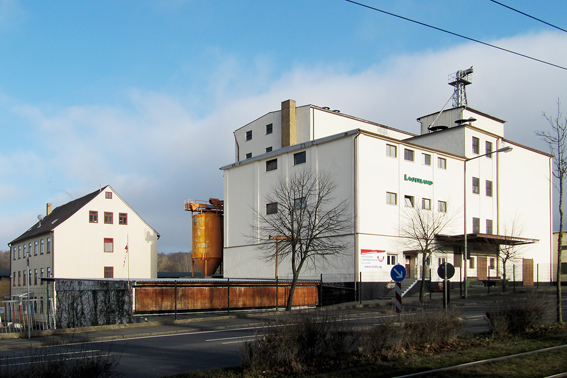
(528, 272)
(481, 271)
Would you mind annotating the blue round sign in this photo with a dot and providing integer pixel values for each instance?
(398, 273)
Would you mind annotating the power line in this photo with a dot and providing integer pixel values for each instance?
(525, 14)
(457, 35)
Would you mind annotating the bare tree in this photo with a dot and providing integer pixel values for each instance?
(307, 222)
(511, 249)
(5, 260)
(163, 263)
(419, 230)
(556, 139)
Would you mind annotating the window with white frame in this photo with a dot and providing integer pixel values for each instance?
(271, 208)
(408, 155)
(488, 147)
(426, 204)
(300, 203)
(476, 225)
(249, 155)
(488, 188)
(299, 158)
(249, 135)
(408, 201)
(391, 151)
(271, 165)
(475, 185)
(442, 206)
(489, 226)
(442, 163)
(475, 145)
(391, 259)
(426, 159)
(391, 198)
(269, 128)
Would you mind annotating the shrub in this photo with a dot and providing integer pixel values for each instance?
(518, 315)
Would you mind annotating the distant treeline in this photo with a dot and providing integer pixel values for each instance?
(174, 262)
(5, 260)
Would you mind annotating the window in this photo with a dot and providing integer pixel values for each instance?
(108, 245)
(391, 260)
(488, 151)
(48, 245)
(426, 159)
(19, 282)
(14, 279)
(29, 277)
(42, 272)
(475, 185)
(271, 165)
(108, 218)
(300, 203)
(35, 248)
(563, 268)
(24, 251)
(108, 272)
(476, 225)
(391, 151)
(122, 218)
(49, 272)
(426, 204)
(108, 195)
(488, 188)
(489, 226)
(41, 247)
(457, 256)
(442, 206)
(441, 261)
(471, 263)
(408, 200)
(14, 253)
(475, 145)
(269, 128)
(249, 135)
(492, 263)
(268, 149)
(19, 252)
(29, 249)
(35, 277)
(391, 198)
(408, 155)
(249, 155)
(93, 216)
(299, 158)
(272, 208)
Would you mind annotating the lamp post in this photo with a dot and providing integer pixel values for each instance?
(503, 149)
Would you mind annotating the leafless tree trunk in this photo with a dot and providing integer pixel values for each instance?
(510, 250)
(419, 230)
(556, 139)
(306, 221)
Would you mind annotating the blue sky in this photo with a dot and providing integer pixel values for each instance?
(144, 95)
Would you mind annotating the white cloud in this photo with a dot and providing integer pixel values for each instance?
(161, 149)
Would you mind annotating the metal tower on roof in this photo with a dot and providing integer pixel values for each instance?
(460, 80)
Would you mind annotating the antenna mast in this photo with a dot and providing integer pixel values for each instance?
(460, 80)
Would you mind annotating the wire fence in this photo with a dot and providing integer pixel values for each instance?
(24, 313)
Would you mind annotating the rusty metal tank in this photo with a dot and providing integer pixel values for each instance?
(207, 241)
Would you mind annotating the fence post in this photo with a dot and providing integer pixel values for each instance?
(175, 299)
(488, 281)
(321, 292)
(514, 276)
(430, 280)
(360, 289)
(277, 293)
(537, 285)
(228, 296)
(47, 307)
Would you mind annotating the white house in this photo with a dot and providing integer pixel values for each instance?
(384, 173)
(95, 236)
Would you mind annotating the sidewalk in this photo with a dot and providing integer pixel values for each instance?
(197, 322)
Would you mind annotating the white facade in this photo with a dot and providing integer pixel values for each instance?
(86, 238)
(509, 188)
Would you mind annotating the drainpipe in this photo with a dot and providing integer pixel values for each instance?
(237, 147)
(356, 267)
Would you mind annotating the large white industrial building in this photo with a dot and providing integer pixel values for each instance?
(384, 173)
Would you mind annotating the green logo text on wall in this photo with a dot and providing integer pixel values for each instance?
(415, 179)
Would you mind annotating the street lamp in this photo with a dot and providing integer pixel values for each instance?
(503, 149)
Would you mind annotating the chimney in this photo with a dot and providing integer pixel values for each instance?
(289, 121)
(48, 211)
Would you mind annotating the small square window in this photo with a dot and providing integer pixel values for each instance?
(249, 135)
(272, 165)
(249, 155)
(488, 149)
(488, 188)
(108, 272)
(475, 185)
(475, 145)
(426, 204)
(108, 195)
(489, 226)
(442, 163)
(271, 208)
(442, 206)
(426, 159)
(108, 218)
(476, 225)
(300, 203)
(108, 245)
(409, 201)
(299, 158)
(269, 128)
(122, 218)
(268, 149)
(408, 155)
(391, 198)
(391, 260)
(93, 216)
(391, 151)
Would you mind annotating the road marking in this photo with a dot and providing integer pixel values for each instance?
(232, 338)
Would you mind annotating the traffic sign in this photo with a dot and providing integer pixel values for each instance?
(398, 273)
(450, 271)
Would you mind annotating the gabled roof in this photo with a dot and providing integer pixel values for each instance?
(58, 215)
